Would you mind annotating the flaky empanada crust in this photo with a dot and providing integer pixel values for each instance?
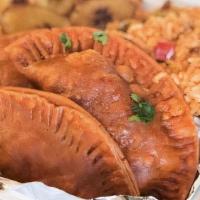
(46, 137)
(163, 154)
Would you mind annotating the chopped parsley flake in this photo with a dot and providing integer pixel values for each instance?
(135, 97)
(134, 118)
(65, 39)
(143, 110)
(101, 37)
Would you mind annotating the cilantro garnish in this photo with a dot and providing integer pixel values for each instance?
(135, 97)
(65, 39)
(101, 37)
(143, 110)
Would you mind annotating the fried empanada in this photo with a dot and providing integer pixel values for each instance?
(33, 17)
(46, 137)
(163, 153)
(98, 13)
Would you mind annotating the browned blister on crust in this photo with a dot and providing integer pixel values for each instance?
(46, 137)
(163, 154)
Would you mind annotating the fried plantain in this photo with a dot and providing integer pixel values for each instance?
(33, 17)
(98, 13)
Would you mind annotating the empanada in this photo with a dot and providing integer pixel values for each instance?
(33, 17)
(163, 153)
(46, 137)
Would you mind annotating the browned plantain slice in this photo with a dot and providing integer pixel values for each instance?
(99, 12)
(4, 4)
(33, 17)
(49, 138)
(62, 7)
(163, 154)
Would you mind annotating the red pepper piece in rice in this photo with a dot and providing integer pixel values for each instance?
(164, 51)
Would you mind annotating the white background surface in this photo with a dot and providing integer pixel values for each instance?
(155, 4)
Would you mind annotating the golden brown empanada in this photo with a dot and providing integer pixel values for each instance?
(163, 153)
(46, 137)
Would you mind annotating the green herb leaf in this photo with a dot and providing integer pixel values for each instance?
(100, 37)
(135, 97)
(143, 110)
(64, 38)
(134, 118)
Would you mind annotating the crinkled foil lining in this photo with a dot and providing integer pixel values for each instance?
(8, 184)
(123, 197)
(197, 122)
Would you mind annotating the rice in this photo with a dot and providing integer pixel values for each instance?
(181, 27)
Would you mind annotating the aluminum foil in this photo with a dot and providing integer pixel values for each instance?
(38, 191)
(123, 197)
(197, 122)
(7, 184)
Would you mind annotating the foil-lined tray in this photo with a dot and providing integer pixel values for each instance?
(123, 197)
